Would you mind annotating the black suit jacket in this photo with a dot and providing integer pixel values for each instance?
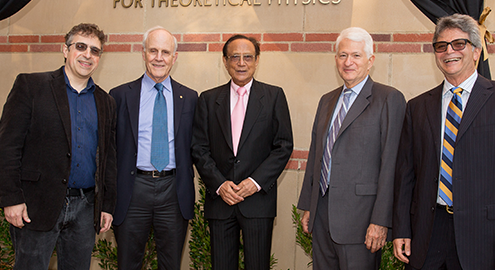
(127, 97)
(417, 173)
(35, 146)
(264, 147)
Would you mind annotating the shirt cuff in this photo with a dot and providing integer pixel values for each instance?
(256, 184)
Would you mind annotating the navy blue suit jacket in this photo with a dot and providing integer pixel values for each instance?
(127, 97)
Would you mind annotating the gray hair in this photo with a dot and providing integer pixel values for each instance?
(145, 36)
(357, 34)
(462, 22)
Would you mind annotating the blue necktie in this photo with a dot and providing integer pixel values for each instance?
(452, 123)
(159, 136)
(332, 136)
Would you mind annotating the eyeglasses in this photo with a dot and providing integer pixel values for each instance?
(82, 47)
(457, 45)
(248, 58)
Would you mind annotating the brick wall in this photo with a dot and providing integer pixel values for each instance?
(213, 42)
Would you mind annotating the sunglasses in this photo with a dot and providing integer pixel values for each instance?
(457, 45)
(82, 47)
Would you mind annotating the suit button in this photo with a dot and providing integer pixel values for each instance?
(433, 208)
(64, 181)
(132, 172)
(237, 161)
(68, 154)
(135, 154)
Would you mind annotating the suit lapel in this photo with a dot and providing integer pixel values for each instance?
(132, 99)
(177, 92)
(479, 95)
(432, 109)
(358, 106)
(327, 116)
(223, 113)
(59, 91)
(254, 107)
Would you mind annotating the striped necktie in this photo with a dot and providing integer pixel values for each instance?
(332, 136)
(452, 122)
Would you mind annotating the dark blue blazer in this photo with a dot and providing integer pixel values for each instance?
(127, 97)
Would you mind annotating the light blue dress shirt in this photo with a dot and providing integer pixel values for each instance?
(146, 106)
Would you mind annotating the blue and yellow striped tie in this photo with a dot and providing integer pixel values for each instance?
(452, 122)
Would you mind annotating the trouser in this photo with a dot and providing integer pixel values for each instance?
(73, 235)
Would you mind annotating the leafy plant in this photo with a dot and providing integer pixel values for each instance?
(7, 256)
(199, 243)
(305, 241)
(107, 253)
(389, 262)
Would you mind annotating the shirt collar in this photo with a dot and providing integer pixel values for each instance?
(466, 85)
(357, 89)
(149, 84)
(90, 86)
(234, 87)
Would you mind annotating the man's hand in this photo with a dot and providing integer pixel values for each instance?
(402, 248)
(15, 215)
(228, 193)
(105, 222)
(376, 237)
(246, 188)
(305, 221)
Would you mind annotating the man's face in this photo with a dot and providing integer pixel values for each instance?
(159, 55)
(81, 64)
(456, 66)
(241, 68)
(352, 63)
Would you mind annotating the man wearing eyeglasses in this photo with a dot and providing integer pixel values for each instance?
(242, 140)
(444, 203)
(57, 143)
(155, 173)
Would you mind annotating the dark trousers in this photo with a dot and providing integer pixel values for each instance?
(73, 234)
(442, 252)
(153, 204)
(329, 255)
(257, 240)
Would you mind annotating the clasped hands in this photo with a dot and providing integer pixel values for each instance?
(233, 194)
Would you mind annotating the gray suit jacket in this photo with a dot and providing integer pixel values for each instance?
(363, 161)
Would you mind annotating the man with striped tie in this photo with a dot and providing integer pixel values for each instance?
(444, 203)
(347, 192)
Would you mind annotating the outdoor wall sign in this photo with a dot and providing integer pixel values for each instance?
(208, 3)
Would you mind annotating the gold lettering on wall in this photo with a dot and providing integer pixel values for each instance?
(185, 4)
(208, 3)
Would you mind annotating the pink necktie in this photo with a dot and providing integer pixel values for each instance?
(237, 119)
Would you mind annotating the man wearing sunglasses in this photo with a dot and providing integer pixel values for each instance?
(242, 139)
(155, 180)
(444, 203)
(57, 143)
